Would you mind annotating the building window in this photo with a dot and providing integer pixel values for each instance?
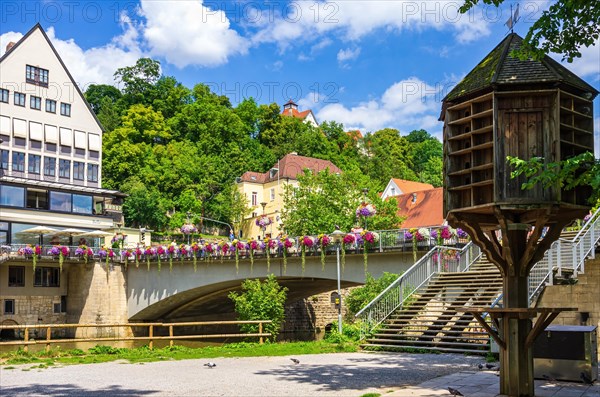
(78, 170)
(50, 106)
(60, 201)
(12, 196)
(18, 160)
(19, 99)
(92, 172)
(35, 102)
(37, 198)
(3, 159)
(4, 95)
(33, 163)
(272, 194)
(9, 306)
(49, 166)
(37, 76)
(254, 199)
(47, 277)
(64, 168)
(82, 204)
(65, 109)
(16, 276)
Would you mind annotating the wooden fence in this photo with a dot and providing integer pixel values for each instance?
(129, 336)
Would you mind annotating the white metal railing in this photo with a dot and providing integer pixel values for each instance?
(565, 254)
(438, 259)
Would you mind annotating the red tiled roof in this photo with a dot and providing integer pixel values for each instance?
(355, 134)
(426, 211)
(411, 186)
(290, 166)
(295, 113)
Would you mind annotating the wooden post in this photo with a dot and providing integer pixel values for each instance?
(150, 334)
(26, 339)
(48, 337)
(260, 330)
(171, 335)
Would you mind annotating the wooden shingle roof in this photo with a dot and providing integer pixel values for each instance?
(499, 68)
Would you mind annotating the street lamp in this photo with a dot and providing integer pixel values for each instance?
(338, 236)
(365, 191)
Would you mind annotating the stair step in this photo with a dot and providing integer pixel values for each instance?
(429, 348)
(445, 333)
(442, 337)
(425, 343)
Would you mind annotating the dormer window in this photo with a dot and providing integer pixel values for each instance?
(37, 76)
(252, 178)
(273, 172)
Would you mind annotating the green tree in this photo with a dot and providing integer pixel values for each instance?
(389, 156)
(325, 200)
(261, 301)
(581, 170)
(95, 93)
(145, 206)
(359, 297)
(139, 78)
(563, 29)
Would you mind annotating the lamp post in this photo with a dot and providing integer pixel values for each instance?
(264, 228)
(338, 236)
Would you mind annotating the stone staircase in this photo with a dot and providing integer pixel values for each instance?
(431, 322)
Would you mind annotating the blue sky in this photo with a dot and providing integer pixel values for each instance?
(366, 64)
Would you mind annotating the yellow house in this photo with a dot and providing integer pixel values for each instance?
(264, 191)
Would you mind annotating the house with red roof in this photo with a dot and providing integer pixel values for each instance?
(290, 109)
(264, 191)
(397, 187)
(422, 208)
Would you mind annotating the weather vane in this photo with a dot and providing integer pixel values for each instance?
(514, 18)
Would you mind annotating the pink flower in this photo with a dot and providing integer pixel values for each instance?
(349, 238)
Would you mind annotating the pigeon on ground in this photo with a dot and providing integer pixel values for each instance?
(548, 378)
(490, 366)
(210, 365)
(480, 366)
(455, 392)
(586, 379)
(295, 360)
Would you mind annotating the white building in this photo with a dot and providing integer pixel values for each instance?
(290, 109)
(50, 175)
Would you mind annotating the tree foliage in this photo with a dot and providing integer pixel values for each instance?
(359, 297)
(565, 27)
(581, 170)
(261, 300)
(323, 201)
(181, 150)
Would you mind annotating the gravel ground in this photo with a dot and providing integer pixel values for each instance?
(343, 374)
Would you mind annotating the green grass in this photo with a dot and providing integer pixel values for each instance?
(99, 354)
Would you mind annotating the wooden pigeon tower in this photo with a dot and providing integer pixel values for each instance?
(522, 108)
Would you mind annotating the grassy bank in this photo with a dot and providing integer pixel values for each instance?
(99, 354)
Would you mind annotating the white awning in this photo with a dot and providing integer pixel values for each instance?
(5, 125)
(51, 133)
(19, 128)
(35, 131)
(66, 137)
(80, 141)
(94, 141)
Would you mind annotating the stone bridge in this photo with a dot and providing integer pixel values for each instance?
(185, 295)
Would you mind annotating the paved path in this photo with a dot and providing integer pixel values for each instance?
(344, 374)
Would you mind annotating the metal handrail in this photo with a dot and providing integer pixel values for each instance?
(402, 289)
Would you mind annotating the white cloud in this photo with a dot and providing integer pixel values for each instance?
(189, 33)
(588, 66)
(406, 105)
(95, 65)
(348, 54)
(352, 20)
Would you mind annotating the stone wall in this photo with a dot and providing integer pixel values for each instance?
(585, 296)
(97, 296)
(308, 318)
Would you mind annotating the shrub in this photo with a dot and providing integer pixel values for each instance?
(361, 296)
(260, 301)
